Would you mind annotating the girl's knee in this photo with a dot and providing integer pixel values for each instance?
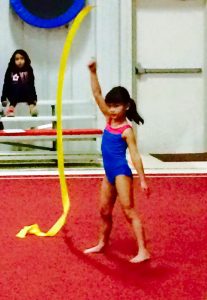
(106, 214)
(130, 213)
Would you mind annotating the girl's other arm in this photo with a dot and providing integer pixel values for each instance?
(6, 87)
(33, 93)
(136, 157)
(96, 89)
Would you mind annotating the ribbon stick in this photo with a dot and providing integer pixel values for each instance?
(34, 229)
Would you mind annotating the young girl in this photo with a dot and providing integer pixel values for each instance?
(19, 84)
(118, 108)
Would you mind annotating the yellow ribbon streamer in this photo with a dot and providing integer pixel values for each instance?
(34, 229)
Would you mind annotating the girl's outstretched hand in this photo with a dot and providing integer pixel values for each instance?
(92, 66)
(145, 188)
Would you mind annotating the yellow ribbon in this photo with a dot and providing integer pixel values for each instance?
(34, 229)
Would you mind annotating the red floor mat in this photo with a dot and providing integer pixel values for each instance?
(55, 268)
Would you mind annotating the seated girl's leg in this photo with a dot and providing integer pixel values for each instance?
(107, 200)
(125, 192)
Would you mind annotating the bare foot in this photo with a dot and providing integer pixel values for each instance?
(140, 257)
(96, 249)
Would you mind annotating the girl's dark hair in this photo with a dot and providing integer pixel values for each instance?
(12, 66)
(120, 95)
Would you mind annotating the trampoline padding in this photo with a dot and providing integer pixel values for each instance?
(47, 13)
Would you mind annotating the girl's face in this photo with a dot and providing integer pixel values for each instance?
(117, 111)
(19, 60)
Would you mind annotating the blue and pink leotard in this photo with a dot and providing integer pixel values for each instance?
(113, 149)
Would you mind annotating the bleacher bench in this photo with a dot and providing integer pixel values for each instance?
(34, 144)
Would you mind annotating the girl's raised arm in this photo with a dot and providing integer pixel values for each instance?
(96, 89)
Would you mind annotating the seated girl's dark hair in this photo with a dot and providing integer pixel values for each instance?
(120, 95)
(12, 65)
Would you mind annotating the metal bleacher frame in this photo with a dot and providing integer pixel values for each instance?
(47, 155)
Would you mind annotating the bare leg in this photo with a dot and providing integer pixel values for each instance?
(107, 200)
(125, 193)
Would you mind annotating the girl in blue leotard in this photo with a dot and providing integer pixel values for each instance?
(118, 135)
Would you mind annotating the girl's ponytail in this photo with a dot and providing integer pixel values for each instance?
(132, 113)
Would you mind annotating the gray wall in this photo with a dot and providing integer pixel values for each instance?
(107, 34)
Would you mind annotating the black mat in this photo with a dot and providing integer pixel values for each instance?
(47, 9)
(181, 157)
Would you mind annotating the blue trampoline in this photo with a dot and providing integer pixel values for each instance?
(47, 13)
